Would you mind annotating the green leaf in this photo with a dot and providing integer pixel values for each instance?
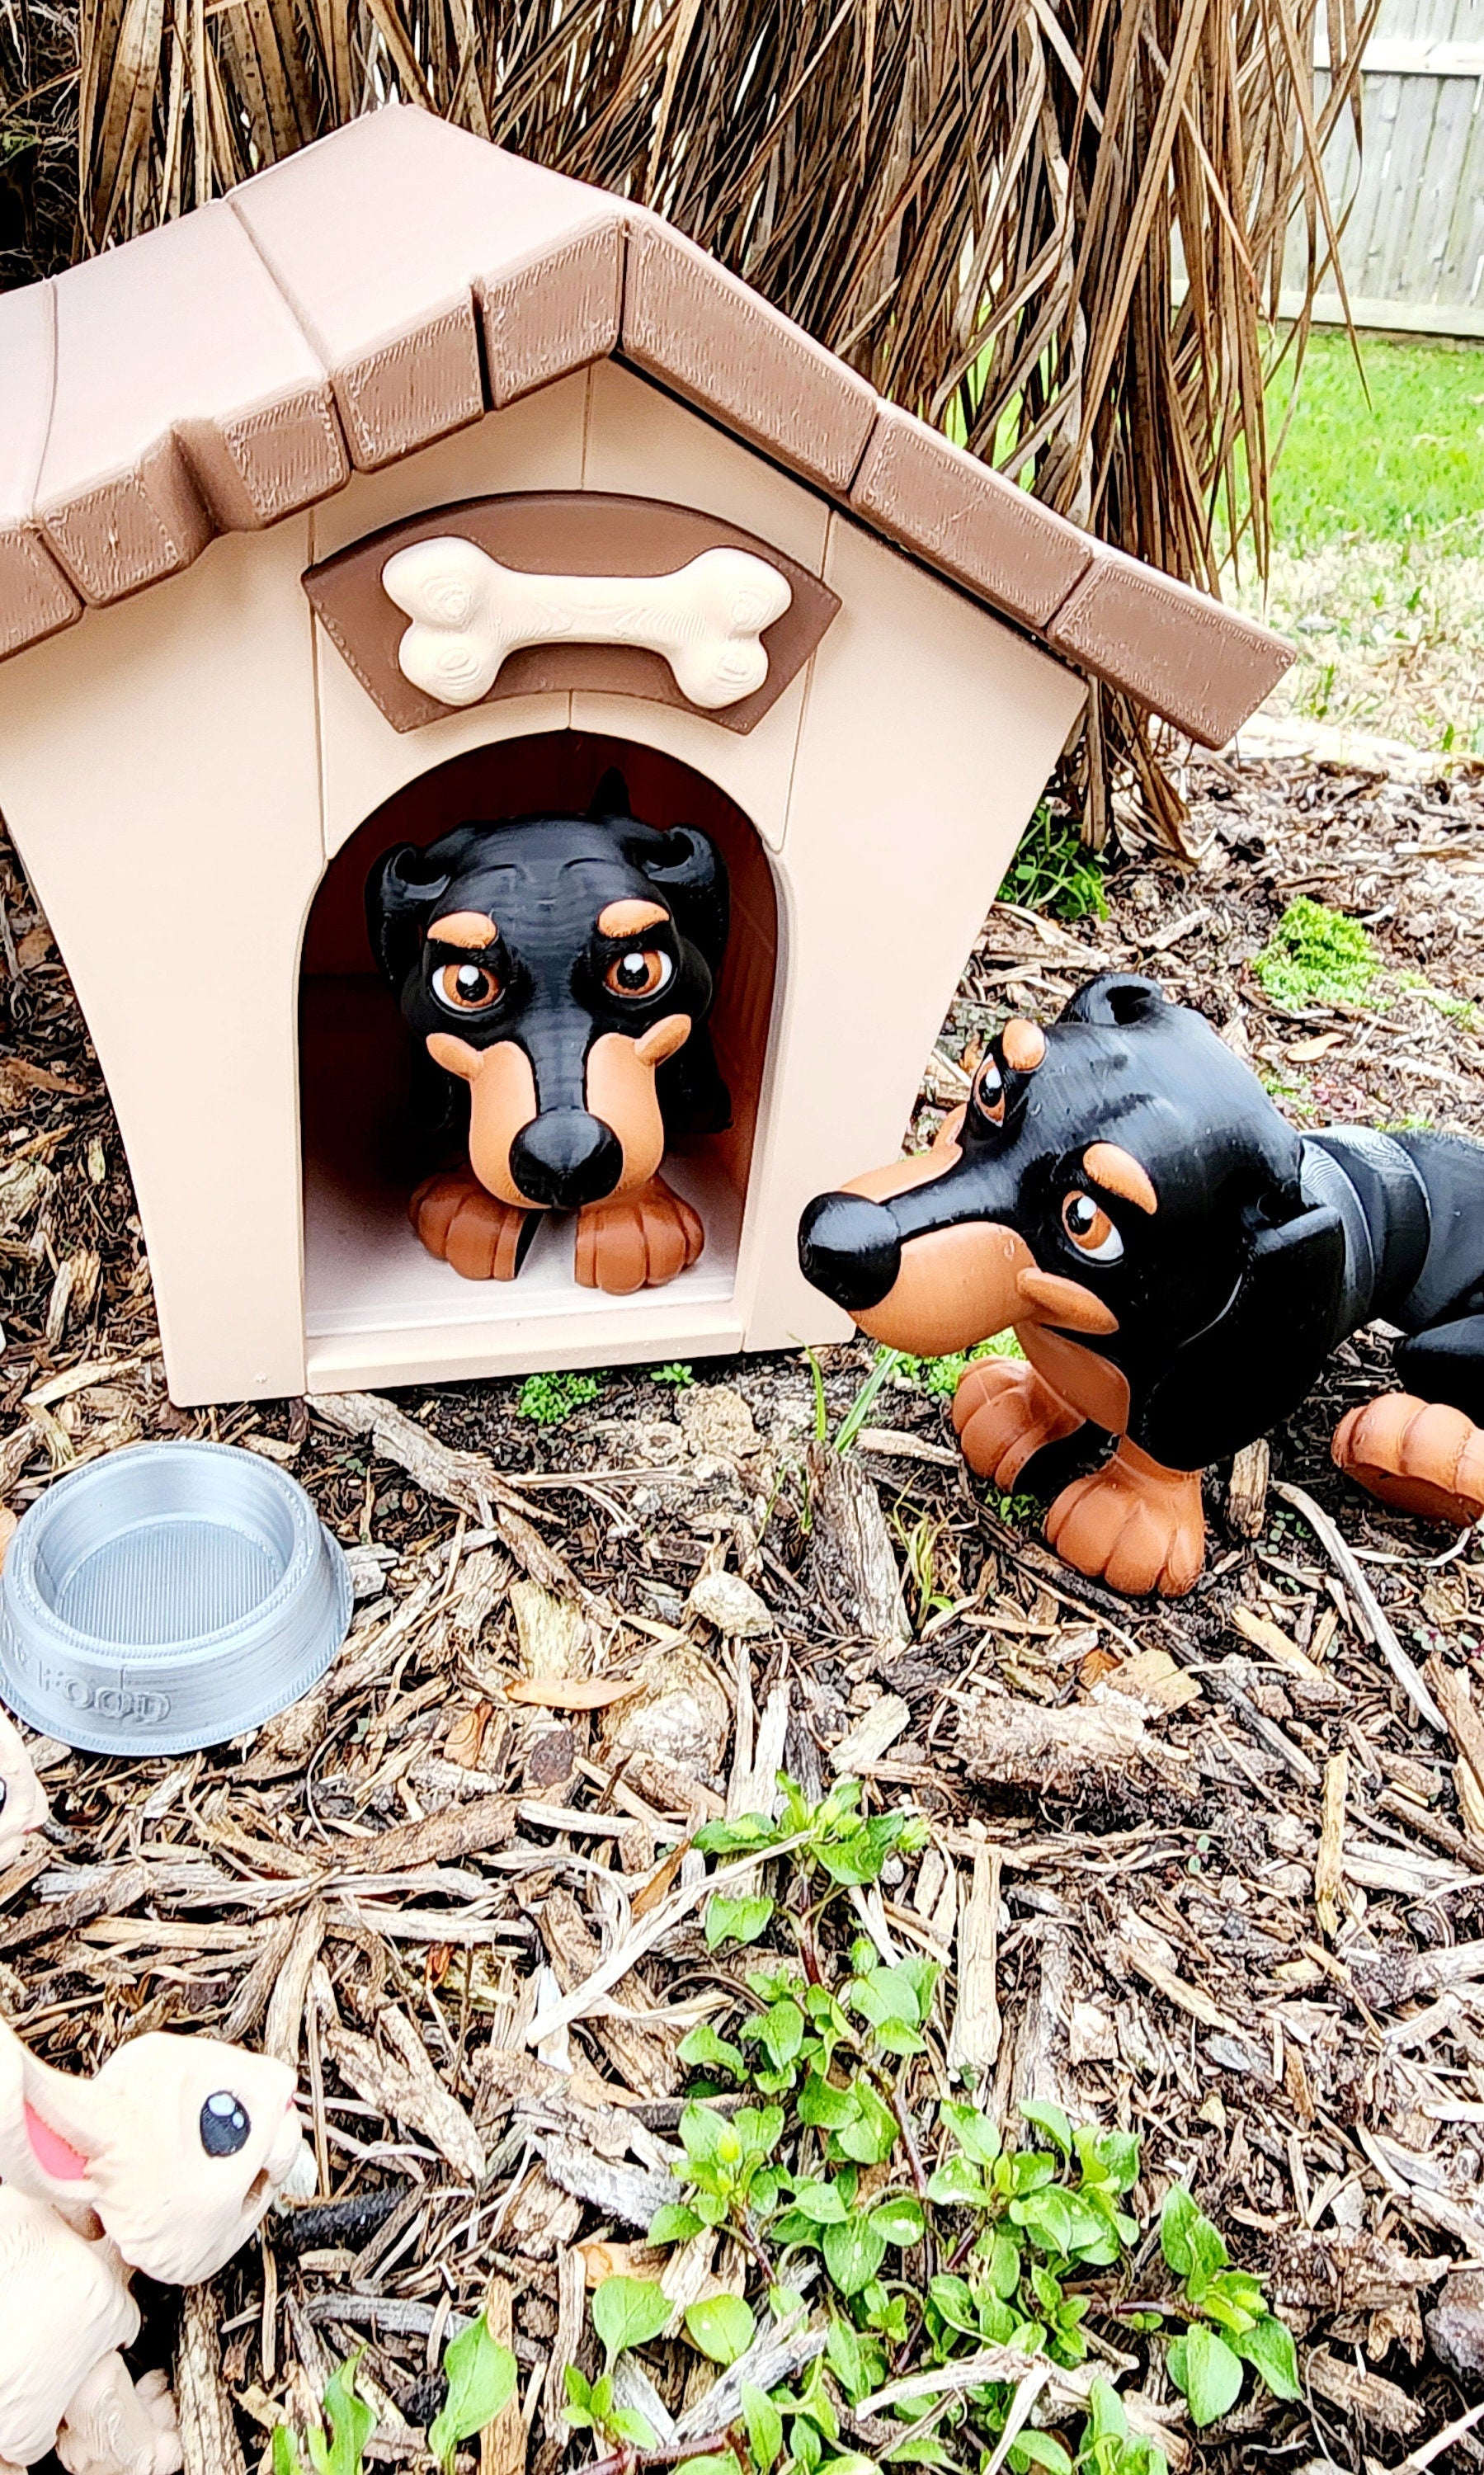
(821, 2203)
(1176, 2219)
(721, 2327)
(1049, 2119)
(481, 2378)
(1270, 2350)
(351, 2423)
(1031, 2448)
(728, 1838)
(871, 2135)
(628, 2311)
(1209, 2374)
(706, 2050)
(722, 2462)
(580, 2390)
(974, 2132)
(702, 2133)
(673, 2223)
(899, 2220)
(845, 2356)
(736, 1919)
(1003, 2256)
(823, 2105)
(780, 2030)
(627, 2424)
(1047, 2217)
(853, 2253)
(957, 2184)
(286, 2460)
(765, 2428)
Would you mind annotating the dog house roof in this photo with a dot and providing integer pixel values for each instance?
(403, 277)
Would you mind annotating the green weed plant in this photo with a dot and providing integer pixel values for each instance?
(1317, 957)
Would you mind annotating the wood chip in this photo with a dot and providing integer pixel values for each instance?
(1373, 1615)
(974, 2039)
(1274, 1644)
(1329, 1866)
(1362, 2395)
(1247, 1489)
(643, 2057)
(208, 2427)
(439, 1838)
(403, 2085)
(503, 2441)
(1155, 1677)
(868, 1739)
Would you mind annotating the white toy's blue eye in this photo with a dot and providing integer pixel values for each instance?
(226, 2127)
(1089, 1228)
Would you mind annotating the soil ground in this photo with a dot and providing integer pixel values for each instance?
(378, 1883)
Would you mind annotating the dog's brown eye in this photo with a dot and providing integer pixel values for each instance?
(990, 1094)
(1089, 1228)
(468, 987)
(639, 974)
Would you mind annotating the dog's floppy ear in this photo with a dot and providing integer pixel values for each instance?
(686, 865)
(399, 903)
(1115, 997)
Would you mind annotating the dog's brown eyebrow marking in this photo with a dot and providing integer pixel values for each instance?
(626, 919)
(1022, 1044)
(1109, 1165)
(472, 928)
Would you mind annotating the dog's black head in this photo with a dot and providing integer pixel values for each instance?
(1109, 1179)
(564, 968)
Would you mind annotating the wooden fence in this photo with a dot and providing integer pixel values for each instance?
(1413, 244)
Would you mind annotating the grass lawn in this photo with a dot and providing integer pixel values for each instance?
(1378, 541)
(1409, 461)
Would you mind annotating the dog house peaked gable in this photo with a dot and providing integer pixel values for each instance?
(411, 484)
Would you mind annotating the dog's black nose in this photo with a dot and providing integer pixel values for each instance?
(565, 1158)
(849, 1248)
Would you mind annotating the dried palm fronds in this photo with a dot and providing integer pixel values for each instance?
(1052, 227)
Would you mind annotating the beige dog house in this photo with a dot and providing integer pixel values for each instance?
(404, 344)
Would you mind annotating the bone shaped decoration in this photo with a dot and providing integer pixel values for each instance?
(23, 1806)
(165, 2162)
(469, 614)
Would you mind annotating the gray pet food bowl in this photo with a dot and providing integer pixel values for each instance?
(166, 1598)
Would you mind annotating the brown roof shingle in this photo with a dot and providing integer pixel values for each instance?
(400, 278)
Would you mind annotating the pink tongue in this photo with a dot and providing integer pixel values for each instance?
(53, 2154)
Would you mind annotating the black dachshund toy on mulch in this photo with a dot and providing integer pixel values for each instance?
(1177, 1264)
(563, 968)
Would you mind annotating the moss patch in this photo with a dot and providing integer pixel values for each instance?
(1317, 957)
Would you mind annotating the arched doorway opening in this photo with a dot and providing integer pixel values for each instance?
(368, 1282)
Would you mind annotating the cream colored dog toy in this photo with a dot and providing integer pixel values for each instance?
(23, 1806)
(166, 2161)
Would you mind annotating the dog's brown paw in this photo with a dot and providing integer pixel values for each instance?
(1419, 1456)
(1132, 1524)
(1004, 1414)
(463, 1225)
(635, 1242)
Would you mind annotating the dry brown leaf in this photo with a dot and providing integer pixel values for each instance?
(571, 1692)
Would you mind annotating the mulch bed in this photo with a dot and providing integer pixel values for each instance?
(386, 1883)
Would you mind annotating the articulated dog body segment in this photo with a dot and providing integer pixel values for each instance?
(1177, 1264)
(165, 2162)
(23, 1806)
(563, 968)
